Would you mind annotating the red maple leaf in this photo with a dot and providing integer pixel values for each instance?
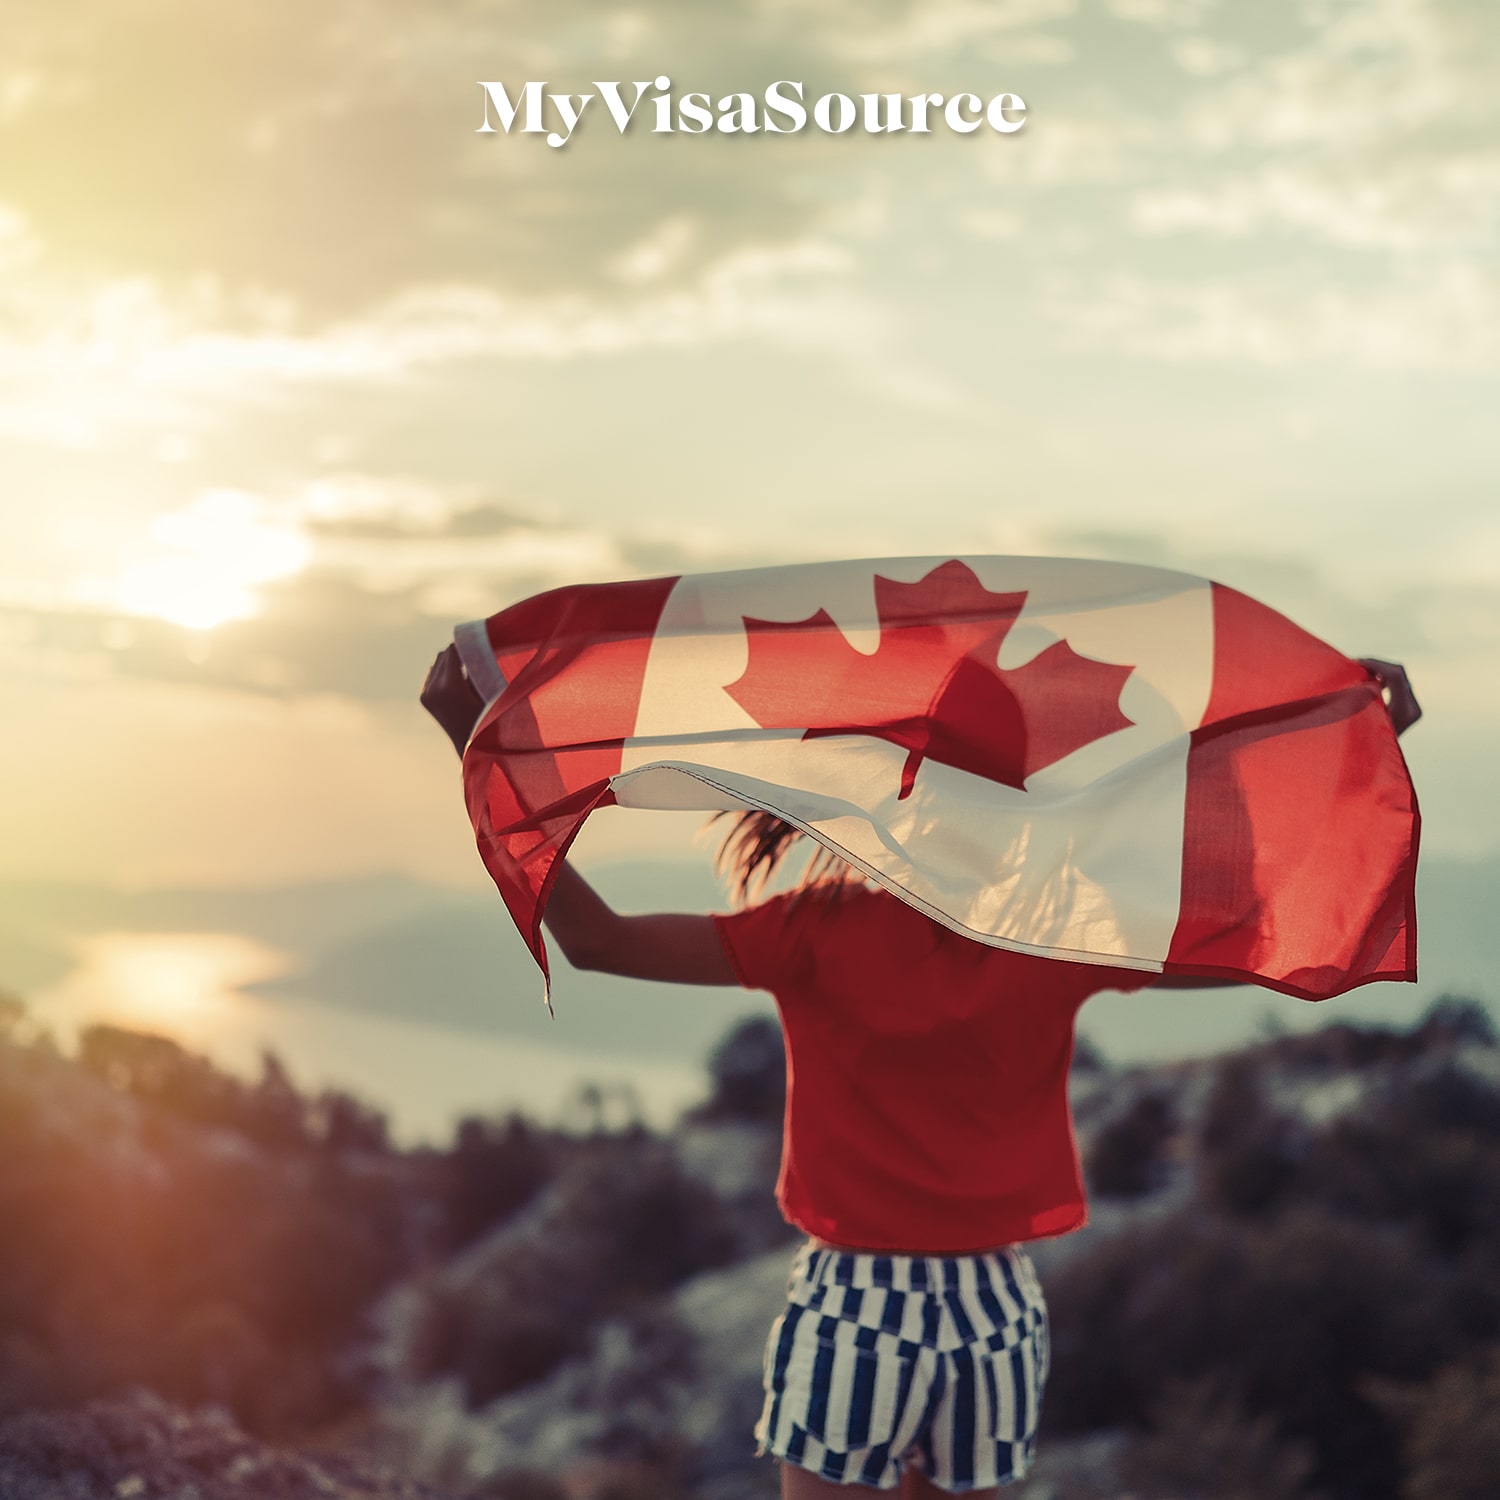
(934, 685)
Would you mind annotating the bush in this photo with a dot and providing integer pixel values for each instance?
(520, 1484)
(179, 1084)
(1127, 1158)
(1451, 1431)
(1303, 1311)
(1246, 1150)
(206, 1263)
(650, 1225)
(1425, 1151)
(1204, 1445)
(1087, 1057)
(1456, 1019)
(748, 1072)
(496, 1336)
(1451, 1021)
(620, 1225)
(143, 1447)
(492, 1171)
(12, 1015)
(1447, 1097)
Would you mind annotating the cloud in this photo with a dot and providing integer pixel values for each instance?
(1089, 146)
(1371, 131)
(900, 32)
(79, 364)
(1338, 178)
(203, 211)
(1387, 71)
(317, 634)
(1162, 15)
(388, 564)
(209, 201)
(1404, 206)
(1445, 319)
(1204, 57)
(1429, 614)
(336, 166)
(212, 210)
(344, 585)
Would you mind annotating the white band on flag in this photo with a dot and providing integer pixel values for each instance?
(473, 643)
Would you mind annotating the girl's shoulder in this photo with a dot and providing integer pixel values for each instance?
(849, 898)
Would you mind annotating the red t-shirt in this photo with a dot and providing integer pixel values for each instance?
(927, 1104)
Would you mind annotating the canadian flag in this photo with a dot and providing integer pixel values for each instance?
(1088, 760)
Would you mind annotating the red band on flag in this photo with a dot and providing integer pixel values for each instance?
(1300, 839)
(541, 758)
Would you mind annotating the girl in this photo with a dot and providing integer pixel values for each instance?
(927, 1133)
(927, 1136)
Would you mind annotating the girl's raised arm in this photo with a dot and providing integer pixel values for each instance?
(679, 948)
(676, 948)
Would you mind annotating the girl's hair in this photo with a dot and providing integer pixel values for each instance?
(754, 847)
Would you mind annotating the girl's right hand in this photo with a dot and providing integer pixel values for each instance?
(451, 698)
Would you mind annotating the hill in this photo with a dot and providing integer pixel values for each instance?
(1290, 1279)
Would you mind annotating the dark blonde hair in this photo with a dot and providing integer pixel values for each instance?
(754, 847)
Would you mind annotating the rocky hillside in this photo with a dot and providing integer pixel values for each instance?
(140, 1448)
(219, 1289)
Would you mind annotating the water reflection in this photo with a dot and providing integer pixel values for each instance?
(183, 984)
(190, 986)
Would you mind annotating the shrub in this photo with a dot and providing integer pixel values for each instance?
(1423, 1151)
(748, 1073)
(520, 1484)
(621, 1224)
(1246, 1150)
(1127, 1157)
(496, 1334)
(12, 1015)
(648, 1224)
(1450, 1430)
(1447, 1097)
(208, 1265)
(1087, 1057)
(1204, 1445)
(492, 1171)
(1454, 1019)
(180, 1085)
(1304, 1311)
(1447, 1185)
(509, 1345)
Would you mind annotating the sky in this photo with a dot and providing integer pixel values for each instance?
(298, 367)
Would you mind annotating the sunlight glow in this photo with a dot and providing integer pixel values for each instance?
(194, 987)
(184, 985)
(211, 556)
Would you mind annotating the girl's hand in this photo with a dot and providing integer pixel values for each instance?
(1399, 698)
(451, 698)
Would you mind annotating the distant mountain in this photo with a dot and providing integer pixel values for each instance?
(391, 946)
(303, 915)
(41, 922)
(461, 964)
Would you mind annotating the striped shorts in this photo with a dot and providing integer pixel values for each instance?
(884, 1361)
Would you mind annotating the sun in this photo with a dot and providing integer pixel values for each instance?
(187, 985)
(209, 559)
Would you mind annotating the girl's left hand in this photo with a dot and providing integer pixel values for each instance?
(1399, 698)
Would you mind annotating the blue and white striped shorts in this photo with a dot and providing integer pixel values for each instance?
(881, 1361)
